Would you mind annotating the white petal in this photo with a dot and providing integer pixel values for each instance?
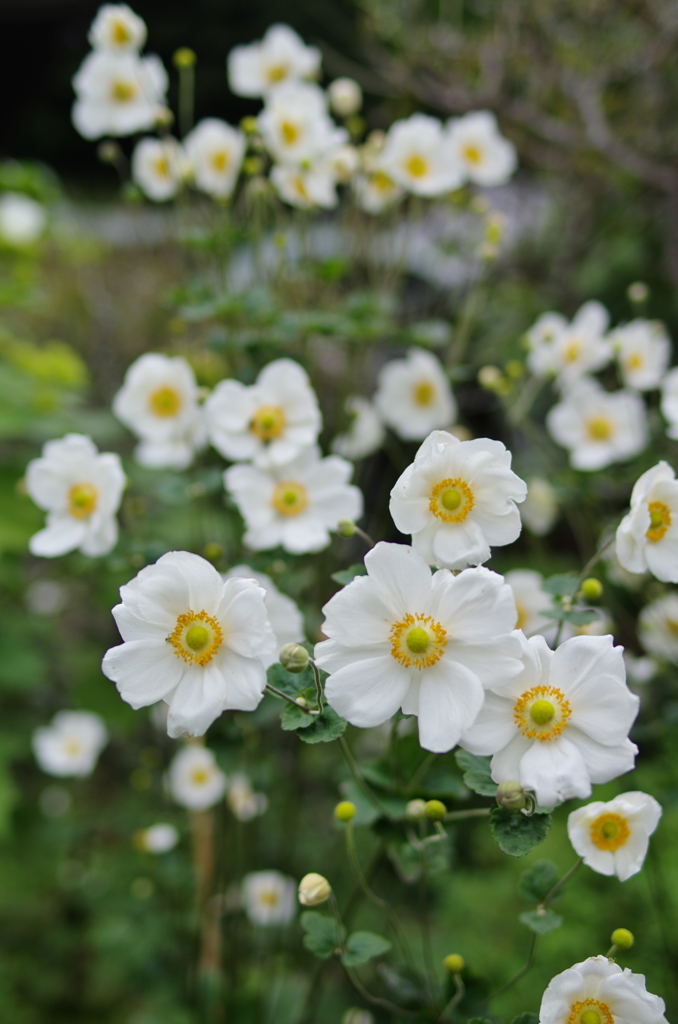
(402, 575)
(450, 697)
(144, 671)
(368, 692)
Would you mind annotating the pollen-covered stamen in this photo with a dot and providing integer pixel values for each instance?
(451, 500)
(423, 393)
(277, 72)
(165, 402)
(82, 500)
(290, 498)
(609, 831)
(162, 168)
(660, 520)
(120, 34)
(418, 641)
(197, 637)
(290, 133)
(599, 428)
(199, 777)
(417, 166)
(268, 422)
(123, 92)
(220, 161)
(590, 1011)
(473, 154)
(542, 713)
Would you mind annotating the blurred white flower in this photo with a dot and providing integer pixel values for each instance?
(598, 427)
(658, 627)
(643, 351)
(639, 670)
(215, 152)
(269, 422)
(542, 334)
(669, 402)
(195, 780)
(159, 403)
(568, 351)
(242, 800)
(22, 219)
(46, 597)
(344, 162)
(296, 127)
(375, 191)
(414, 396)
(365, 433)
(598, 990)
(118, 94)
(306, 186)
(81, 490)
(539, 511)
(280, 57)
(563, 723)
(118, 29)
(647, 537)
(269, 898)
(295, 505)
(400, 637)
(457, 499)
(192, 639)
(158, 168)
(532, 603)
(345, 95)
(419, 156)
(285, 619)
(479, 148)
(160, 838)
(613, 837)
(70, 744)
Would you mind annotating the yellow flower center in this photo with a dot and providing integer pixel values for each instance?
(276, 73)
(472, 154)
(381, 181)
(73, 747)
(268, 422)
(451, 500)
(120, 34)
(165, 402)
(417, 166)
(300, 188)
(599, 428)
(162, 167)
(522, 616)
(423, 393)
(123, 92)
(197, 637)
(269, 897)
(609, 831)
(289, 498)
(418, 641)
(290, 133)
(590, 1011)
(82, 500)
(542, 713)
(199, 776)
(220, 161)
(660, 520)
(572, 352)
(634, 361)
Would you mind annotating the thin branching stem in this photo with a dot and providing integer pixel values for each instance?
(371, 796)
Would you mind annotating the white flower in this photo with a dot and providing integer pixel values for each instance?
(158, 168)
(192, 639)
(487, 158)
(540, 337)
(344, 162)
(118, 29)
(643, 351)
(295, 505)
(613, 837)
(296, 127)
(365, 433)
(647, 537)
(280, 57)
(270, 422)
(375, 191)
(81, 490)
(639, 670)
(457, 499)
(269, 898)
(419, 156)
(598, 991)
(285, 619)
(242, 800)
(658, 627)
(669, 402)
(22, 220)
(561, 724)
(71, 744)
(568, 351)
(160, 838)
(532, 603)
(346, 96)
(400, 637)
(195, 779)
(414, 396)
(306, 186)
(118, 94)
(598, 427)
(215, 152)
(46, 597)
(159, 403)
(539, 511)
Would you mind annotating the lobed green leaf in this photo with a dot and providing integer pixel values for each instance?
(363, 946)
(516, 833)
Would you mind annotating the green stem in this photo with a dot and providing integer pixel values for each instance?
(456, 998)
(475, 812)
(516, 977)
(420, 772)
(376, 1000)
(594, 558)
(458, 346)
(318, 686)
(611, 951)
(284, 696)
(186, 99)
(350, 760)
(559, 885)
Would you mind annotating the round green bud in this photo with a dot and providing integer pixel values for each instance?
(511, 796)
(622, 938)
(591, 589)
(184, 58)
(345, 811)
(515, 369)
(313, 890)
(294, 657)
(453, 963)
(212, 551)
(108, 152)
(489, 377)
(253, 165)
(435, 810)
(345, 527)
(249, 125)
(416, 809)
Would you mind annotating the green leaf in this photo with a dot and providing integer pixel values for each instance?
(561, 585)
(516, 833)
(526, 1018)
(345, 576)
(536, 883)
(323, 935)
(479, 1020)
(363, 946)
(476, 772)
(541, 922)
(582, 617)
(325, 728)
(294, 718)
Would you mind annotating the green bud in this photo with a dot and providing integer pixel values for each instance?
(249, 125)
(416, 809)
(435, 810)
(514, 369)
(511, 796)
(591, 589)
(345, 527)
(294, 657)
(184, 58)
(622, 938)
(454, 963)
(345, 811)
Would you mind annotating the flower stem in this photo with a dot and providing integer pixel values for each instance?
(318, 685)
(420, 772)
(516, 977)
(559, 885)
(473, 812)
(456, 998)
(350, 760)
(366, 537)
(290, 700)
(376, 1000)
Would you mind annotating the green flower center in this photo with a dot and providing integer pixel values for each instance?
(417, 640)
(542, 711)
(197, 638)
(451, 499)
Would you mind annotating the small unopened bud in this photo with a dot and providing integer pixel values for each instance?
(294, 658)
(515, 369)
(591, 589)
(184, 58)
(416, 809)
(355, 1015)
(345, 96)
(622, 938)
(345, 527)
(252, 165)
(638, 291)
(108, 152)
(213, 551)
(249, 125)
(301, 701)
(511, 796)
(313, 890)
(489, 377)
(345, 811)
(164, 118)
(435, 810)
(454, 963)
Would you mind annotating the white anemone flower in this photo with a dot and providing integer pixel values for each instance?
(284, 616)
(419, 156)
(159, 168)
(159, 403)
(669, 402)
(532, 603)
(280, 57)
(215, 152)
(613, 838)
(345, 96)
(118, 94)
(643, 351)
(414, 396)
(365, 433)
(457, 499)
(486, 157)
(296, 505)
(194, 779)
(243, 801)
(160, 838)
(639, 670)
(658, 627)
(269, 898)
(598, 991)
(375, 191)
(269, 422)
(539, 511)
(401, 637)
(598, 427)
(70, 745)
(647, 537)
(563, 723)
(539, 340)
(81, 490)
(296, 127)
(306, 186)
(118, 29)
(574, 349)
(192, 639)
(22, 219)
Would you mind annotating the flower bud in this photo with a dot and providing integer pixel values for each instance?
(416, 809)
(511, 796)
(489, 377)
(294, 658)
(591, 589)
(184, 58)
(252, 165)
(313, 890)
(346, 96)
(212, 551)
(622, 938)
(357, 1016)
(249, 125)
(108, 152)
(345, 527)
(638, 291)
(164, 118)
(515, 369)
(453, 963)
(435, 810)
(345, 811)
